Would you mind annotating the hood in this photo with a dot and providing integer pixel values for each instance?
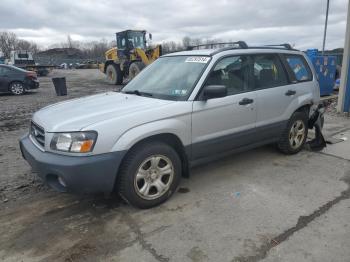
(74, 115)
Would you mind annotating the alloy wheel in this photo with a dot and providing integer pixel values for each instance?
(297, 134)
(17, 89)
(154, 177)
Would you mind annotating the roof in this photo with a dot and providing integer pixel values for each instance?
(131, 30)
(211, 49)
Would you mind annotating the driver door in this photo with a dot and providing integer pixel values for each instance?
(223, 124)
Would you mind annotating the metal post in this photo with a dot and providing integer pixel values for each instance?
(344, 89)
(325, 28)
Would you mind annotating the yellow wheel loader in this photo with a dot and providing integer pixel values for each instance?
(129, 57)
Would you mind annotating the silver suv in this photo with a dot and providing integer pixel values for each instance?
(184, 109)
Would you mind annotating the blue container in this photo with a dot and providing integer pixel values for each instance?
(325, 67)
(312, 52)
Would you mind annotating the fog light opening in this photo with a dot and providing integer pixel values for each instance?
(61, 181)
(56, 182)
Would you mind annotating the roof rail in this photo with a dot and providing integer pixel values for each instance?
(225, 45)
(285, 45)
(220, 47)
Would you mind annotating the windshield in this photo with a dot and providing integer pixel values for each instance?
(131, 40)
(136, 39)
(171, 78)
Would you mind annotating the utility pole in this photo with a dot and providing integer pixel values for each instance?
(344, 89)
(325, 29)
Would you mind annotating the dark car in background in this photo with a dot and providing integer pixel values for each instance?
(16, 80)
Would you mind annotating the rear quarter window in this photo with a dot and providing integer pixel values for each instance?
(299, 67)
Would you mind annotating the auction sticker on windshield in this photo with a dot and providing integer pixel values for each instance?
(197, 59)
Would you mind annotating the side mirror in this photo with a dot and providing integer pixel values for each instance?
(214, 91)
(150, 36)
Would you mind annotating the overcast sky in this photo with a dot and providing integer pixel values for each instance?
(298, 22)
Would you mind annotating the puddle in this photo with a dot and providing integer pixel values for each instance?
(183, 190)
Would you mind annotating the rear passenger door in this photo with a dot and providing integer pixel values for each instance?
(274, 95)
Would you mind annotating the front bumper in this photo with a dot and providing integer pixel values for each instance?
(31, 84)
(80, 174)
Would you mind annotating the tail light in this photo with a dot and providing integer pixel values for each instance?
(32, 75)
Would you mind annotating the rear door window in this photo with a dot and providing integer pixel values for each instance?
(299, 67)
(268, 71)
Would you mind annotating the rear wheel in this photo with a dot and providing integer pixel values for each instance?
(135, 68)
(17, 88)
(149, 175)
(114, 74)
(294, 136)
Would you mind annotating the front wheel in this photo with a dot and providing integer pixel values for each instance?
(149, 175)
(294, 136)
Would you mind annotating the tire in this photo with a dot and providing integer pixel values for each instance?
(135, 68)
(141, 173)
(17, 88)
(114, 74)
(292, 141)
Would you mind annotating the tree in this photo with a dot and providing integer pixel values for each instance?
(69, 42)
(186, 42)
(8, 42)
(26, 45)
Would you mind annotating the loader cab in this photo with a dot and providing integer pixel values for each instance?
(130, 39)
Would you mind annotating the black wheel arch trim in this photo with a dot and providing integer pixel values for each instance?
(171, 140)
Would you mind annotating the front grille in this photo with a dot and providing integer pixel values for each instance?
(38, 133)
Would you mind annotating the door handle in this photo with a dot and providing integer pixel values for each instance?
(290, 93)
(246, 101)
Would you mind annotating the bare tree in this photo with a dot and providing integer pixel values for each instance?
(26, 45)
(186, 42)
(97, 49)
(197, 41)
(8, 42)
(69, 42)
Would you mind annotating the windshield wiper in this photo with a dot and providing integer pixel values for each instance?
(137, 92)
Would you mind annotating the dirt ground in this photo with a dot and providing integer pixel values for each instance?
(254, 206)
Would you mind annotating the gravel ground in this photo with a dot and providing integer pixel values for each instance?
(255, 206)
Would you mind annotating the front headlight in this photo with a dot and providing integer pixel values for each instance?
(75, 142)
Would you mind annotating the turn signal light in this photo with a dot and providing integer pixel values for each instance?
(86, 146)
